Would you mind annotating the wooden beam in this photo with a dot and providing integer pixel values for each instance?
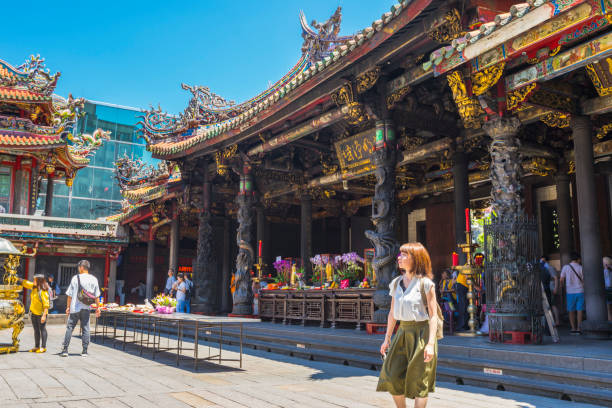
(597, 106)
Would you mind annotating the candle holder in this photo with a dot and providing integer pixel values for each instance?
(470, 270)
(260, 266)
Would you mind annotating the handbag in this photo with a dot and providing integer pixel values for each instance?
(84, 296)
(440, 328)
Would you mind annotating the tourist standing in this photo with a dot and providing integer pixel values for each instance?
(170, 282)
(461, 290)
(550, 281)
(54, 292)
(82, 293)
(607, 263)
(39, 308)
(180, 287)
(140, 290)
(572, 277)
(409, 368)
(188, 293)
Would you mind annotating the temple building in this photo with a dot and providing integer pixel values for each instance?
(387, 136)
(38, 146)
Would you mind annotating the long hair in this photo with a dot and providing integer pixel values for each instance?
(420, 256)
(41, 283)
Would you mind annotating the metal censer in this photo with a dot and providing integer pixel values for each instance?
(12, 310)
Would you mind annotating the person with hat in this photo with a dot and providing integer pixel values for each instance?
(39, 308)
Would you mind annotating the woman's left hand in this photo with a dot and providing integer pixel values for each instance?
(43, 319)
(429, 352)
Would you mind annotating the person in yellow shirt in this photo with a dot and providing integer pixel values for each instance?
(39, 308)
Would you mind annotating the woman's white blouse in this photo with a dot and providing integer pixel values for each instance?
(408, 304)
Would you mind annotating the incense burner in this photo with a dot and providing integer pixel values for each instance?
(12, 312)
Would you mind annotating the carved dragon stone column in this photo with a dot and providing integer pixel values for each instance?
(383, 218)
(243, 295)
(205, 265)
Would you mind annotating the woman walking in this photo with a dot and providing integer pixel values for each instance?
(409, 368)
(39, 308)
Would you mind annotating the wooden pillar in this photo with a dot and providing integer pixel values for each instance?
(150, 262)
(243, 295)
(594, 287)
(383, 218)
(174, 242)
(461, 197)
(344, 234)
(306, 232)
(49, 197)
(564, 214)
(226, 304)
(112, 279)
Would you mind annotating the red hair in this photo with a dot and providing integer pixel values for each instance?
(420, 257)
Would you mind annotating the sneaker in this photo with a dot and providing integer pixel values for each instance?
(41, 350)
(574, 332)
(64, 353)
(84, 353)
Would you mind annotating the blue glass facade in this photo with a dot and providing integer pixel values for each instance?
(95, 191)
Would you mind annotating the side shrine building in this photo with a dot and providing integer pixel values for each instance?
(38, 144)
(387, 136)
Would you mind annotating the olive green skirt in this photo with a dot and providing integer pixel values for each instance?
(404, 370)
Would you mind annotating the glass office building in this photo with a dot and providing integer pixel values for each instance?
(95, 191)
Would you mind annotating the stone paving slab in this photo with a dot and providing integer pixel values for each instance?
(111, 378)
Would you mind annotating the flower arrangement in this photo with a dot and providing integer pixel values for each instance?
(164, 300)
(283, 271)
(348, 266)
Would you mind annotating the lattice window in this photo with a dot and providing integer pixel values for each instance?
(65, 272)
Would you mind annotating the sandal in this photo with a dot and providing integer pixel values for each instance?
(41, 350)
(34, 350)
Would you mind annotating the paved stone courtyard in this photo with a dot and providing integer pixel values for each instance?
(111, 378)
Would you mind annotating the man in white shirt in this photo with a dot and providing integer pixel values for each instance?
(572, 277)
(76, 309)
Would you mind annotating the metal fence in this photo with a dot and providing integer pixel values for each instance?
(512, 277)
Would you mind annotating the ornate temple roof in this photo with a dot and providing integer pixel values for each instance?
(37, 122)
(202, 120)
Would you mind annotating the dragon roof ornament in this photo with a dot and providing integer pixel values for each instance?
(134, 173)
(31, 75)
(320, 39)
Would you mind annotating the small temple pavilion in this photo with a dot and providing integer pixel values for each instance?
(385, 136)
(38, 146)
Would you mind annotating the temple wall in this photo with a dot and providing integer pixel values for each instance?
(359, 242)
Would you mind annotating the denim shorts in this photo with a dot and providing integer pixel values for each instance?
(575, 301)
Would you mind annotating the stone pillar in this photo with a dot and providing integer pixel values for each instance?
(226, 303)
(112, 279)
(205, 274)
(306, 233)
(383, 218)
(243, 295)
(174, 242)
(49, 197)
(150, 262)
(564, 213)
(594, 289)
(344, 234)
(462, 198)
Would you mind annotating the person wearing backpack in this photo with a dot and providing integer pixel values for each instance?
(39, 308)
(571, 275)
(409, 367)
(82, 293)
(188, 293)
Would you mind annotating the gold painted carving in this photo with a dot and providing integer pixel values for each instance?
(367, 80)
(556, 119)
(469, 109)
(327, 166)
(397, 96)
(571, 167)
(604, 130)
(541, 166)
(599, 86)
(518, 96)
(449, 30)
(356, 114)
(343, 96)
(221, 158)
(485, 79)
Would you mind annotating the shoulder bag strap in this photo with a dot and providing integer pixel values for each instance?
(424, 296)
(40, 298)
(576, 273)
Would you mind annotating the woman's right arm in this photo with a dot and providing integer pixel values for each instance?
(390, 327)
(27, 284)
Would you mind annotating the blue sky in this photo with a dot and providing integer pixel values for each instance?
(137, 53)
